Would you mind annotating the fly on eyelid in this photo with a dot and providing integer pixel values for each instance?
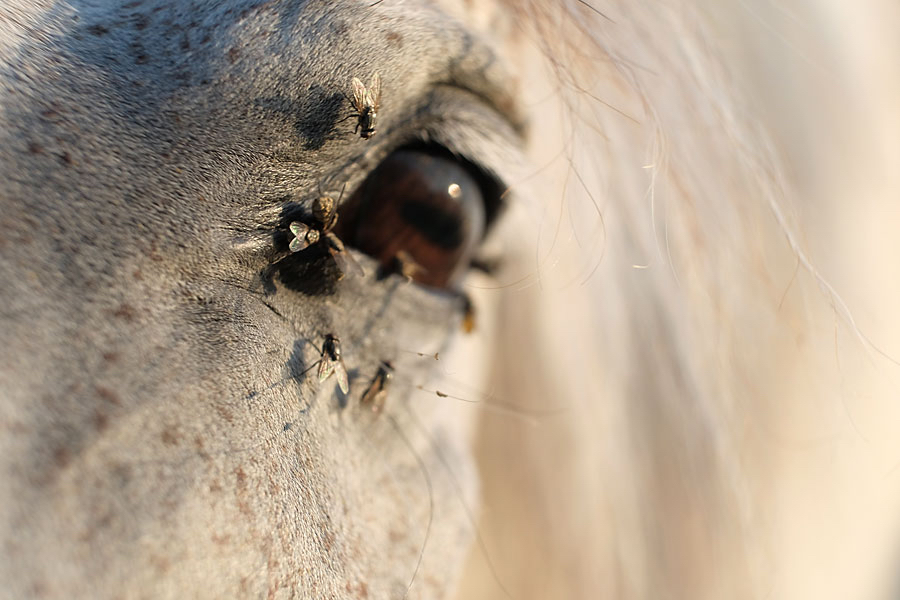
(406, 265)
(332, 363)
(365, 101)
(343, 259)
(376, 394)
(304, 236)
(468, 322)
(325, 217)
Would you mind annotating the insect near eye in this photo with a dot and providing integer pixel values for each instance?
(365, 101)
(325, 217)
(421, 214)
(376, 394)
(332, 363)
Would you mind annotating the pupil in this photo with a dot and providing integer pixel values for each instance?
(438, 225)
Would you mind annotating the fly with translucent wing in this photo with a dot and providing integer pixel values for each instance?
(365, 101)
(376, 394)
(332, 363)
(325, 216)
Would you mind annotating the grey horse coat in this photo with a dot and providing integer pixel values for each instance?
(162, 432)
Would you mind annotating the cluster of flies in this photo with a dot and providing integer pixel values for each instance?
(319, 230)
(365, 101)
(332, 363)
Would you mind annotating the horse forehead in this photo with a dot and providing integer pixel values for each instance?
(120, 71)
(328, 32)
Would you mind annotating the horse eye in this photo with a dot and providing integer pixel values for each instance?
(420, 213)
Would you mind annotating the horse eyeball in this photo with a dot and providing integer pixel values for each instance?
(421, 215)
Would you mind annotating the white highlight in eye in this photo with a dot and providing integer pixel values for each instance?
(454, 190)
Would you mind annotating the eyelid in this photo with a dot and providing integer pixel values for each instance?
(473, 131)
(493, 86)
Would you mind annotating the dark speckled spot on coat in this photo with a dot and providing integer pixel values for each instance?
(141, 22)
(125, 312)
(169, 437)
(109, 395)
(61, 457)
(395, 40)
(101, 420)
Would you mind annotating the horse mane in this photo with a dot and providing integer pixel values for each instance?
(701, 319)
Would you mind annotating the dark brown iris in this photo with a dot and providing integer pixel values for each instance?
(420, 214)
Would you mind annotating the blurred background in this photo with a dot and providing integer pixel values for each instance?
(782, 478)
(823, 77)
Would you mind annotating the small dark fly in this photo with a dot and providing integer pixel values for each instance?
(376, 393)
(468, 322)
(365, 101)
(325, 217)
(406, 265)
(332, 363)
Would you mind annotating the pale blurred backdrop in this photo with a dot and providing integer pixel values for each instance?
(823, 76)
(733, 397)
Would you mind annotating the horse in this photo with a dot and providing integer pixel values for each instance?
(354, 299)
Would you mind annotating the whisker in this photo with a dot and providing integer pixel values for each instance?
(465, 506)
(530, 416)
(427, 478)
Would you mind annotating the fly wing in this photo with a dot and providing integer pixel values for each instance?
(359, 94)
(298, 244)
(300, 240)
(343, 259)
(376, 393)
(341, 373)
(372, 391)
(378, 400)
(326, 368)
(374, 91)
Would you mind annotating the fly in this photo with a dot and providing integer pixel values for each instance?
(332, 363)
(406, 266)
(376, 393)
(468, 321)
(365, 101)
(325, 217)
